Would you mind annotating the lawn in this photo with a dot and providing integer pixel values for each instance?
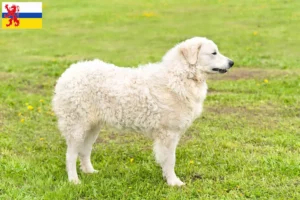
(245, 145)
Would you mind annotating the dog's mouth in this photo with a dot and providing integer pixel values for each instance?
(222, 71)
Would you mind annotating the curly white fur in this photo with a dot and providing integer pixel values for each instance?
(160, 100)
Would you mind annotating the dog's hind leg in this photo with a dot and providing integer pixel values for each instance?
(164, 149)
(74, 145)
(86, 150)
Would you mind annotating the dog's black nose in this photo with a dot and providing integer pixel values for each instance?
(231, 63)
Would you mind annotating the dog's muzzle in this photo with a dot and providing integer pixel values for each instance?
(222, 71)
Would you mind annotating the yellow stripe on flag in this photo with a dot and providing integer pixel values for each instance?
(25, 23)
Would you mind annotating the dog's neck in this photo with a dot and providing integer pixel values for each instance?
(184, 82)
(197, 76)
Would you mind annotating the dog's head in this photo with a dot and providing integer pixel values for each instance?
(204, 55)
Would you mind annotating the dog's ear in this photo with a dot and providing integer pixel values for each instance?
(190, 52)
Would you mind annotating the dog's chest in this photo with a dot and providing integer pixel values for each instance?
(192, 107)
(199, 94)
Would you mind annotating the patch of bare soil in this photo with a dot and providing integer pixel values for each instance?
(259, 116)
(34, 89)
(266, 110)
(5, 76)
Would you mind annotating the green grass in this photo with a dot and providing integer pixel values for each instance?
(245, 145)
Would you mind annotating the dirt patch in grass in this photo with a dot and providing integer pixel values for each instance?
(37, 89)
(247, 73)
(226, 110)
(261, 116)
(244, 111)
(1, 121)
(3, 112)
(237, 112)
(5, 76)
(28, 87)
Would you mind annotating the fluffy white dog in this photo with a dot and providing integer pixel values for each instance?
(160, 100)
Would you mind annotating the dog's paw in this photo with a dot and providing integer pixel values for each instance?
(175, 182)
(90, 171)
(75, 181)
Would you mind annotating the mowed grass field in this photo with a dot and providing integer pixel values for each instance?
(246, 145)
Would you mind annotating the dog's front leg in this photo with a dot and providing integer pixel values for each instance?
(164, 149)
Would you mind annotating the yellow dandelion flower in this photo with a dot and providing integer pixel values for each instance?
(266, 81)
(131, 160)
(191, 162)
(148, 14)
(22, 120)
(42, 139)
(30, 107)
(255, 33)
(19, 114)
(42, 100)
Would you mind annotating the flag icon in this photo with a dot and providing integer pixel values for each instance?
(22, 15)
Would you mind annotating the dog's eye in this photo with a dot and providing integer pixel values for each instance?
(214, 53)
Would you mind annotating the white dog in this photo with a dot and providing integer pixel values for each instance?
(160, 100)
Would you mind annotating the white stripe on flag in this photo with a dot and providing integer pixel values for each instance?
(25, 7)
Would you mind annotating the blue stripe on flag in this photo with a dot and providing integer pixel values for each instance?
(27, 15)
